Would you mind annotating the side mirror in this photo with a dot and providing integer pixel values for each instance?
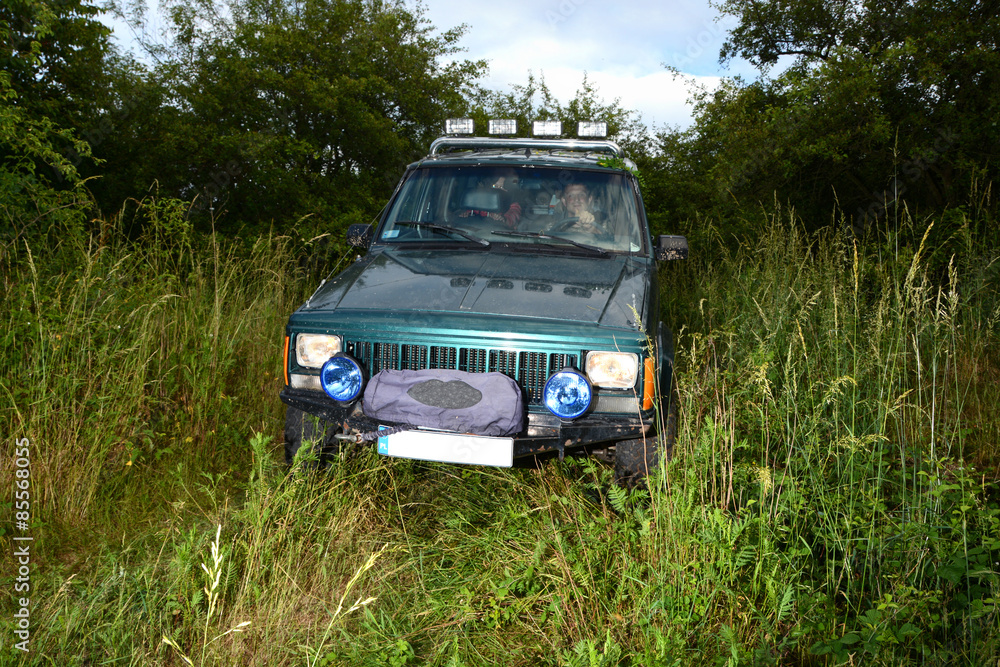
(671, 247)
(360, 236)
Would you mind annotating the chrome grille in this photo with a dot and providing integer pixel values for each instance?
(529, 369)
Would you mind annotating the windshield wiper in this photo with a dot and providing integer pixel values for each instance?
(540, 235)
(445, 228)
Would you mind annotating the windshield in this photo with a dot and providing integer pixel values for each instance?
(555, 207)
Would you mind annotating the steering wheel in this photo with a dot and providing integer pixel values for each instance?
(563, 225)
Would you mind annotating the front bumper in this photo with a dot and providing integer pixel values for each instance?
(544, 431)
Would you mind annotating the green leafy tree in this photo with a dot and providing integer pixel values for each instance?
(880, 101)
(274, 109)
(535, 101)
(53, 53)
(141, 137)
(42, 96)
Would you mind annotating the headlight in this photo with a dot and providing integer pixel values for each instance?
(613, 370)
(312, 350)
(567, 394)
(341, 378)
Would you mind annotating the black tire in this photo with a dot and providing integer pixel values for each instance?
(635, 458)
(302, 428)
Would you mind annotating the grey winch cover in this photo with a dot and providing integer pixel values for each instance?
(480, 403)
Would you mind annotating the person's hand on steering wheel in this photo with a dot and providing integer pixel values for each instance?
(580, 224)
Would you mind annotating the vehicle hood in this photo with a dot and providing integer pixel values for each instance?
(596, 290)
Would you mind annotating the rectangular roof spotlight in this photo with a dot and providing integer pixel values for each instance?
(503, 126)
(546, 128)
(592, 128)
(458, 126)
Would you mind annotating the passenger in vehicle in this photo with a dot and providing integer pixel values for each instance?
(500, 200)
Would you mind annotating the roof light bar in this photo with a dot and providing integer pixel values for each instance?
(592, 128)
(546, 128)
(503, 126)
(458, 126)
(441, 145)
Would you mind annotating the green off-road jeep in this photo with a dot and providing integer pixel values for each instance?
(507, 306)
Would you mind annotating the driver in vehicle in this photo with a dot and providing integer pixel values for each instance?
(580, 214)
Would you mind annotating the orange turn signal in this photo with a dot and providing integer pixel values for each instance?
(285, 361)
(648, 386)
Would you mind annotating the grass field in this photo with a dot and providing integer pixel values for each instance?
(834, 498)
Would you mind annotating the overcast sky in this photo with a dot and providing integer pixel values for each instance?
(622, 46)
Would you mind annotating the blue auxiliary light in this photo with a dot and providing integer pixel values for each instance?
(567, 394)
(341, 378)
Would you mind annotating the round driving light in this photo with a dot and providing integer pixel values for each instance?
(341, 378)
(567, 394)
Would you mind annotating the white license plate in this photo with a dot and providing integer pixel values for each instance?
(449, 447)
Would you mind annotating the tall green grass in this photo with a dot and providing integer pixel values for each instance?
(837, 394)
(833, 496)
(128, 357)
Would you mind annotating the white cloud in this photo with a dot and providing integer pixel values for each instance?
(622, 47)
